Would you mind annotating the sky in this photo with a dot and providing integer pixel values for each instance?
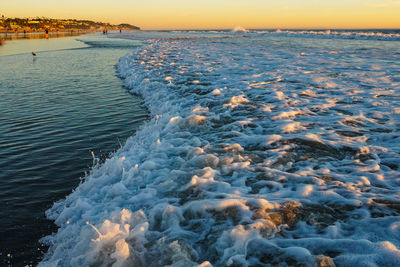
(217, 14)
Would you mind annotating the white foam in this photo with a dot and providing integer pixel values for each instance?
(239, 29)
(291, 160)
(363, 35)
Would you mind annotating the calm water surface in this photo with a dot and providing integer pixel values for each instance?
(37, 35)
(55, 110)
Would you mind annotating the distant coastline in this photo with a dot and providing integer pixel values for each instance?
(29, 25)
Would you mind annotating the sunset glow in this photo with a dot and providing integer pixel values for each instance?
(213, 14)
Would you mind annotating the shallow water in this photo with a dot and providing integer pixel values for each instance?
(37, 35)
(38, 45)
(56, 109)
(277, 148)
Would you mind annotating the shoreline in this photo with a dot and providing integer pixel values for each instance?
(9, 36)
(6, 37)
(74, 153)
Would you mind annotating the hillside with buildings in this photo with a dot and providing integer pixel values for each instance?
(43, 24)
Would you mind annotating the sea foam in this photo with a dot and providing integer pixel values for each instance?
(239, 29)
(255, 155)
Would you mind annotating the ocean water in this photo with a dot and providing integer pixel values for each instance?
(262, 148)
(56, 110)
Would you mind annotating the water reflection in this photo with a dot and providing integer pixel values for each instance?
(55, 109)
(37, 35)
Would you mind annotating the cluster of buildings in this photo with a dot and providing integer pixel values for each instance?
(46, 24)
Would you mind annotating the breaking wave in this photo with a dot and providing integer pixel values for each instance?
(239, 29)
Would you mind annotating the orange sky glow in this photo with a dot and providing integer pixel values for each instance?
(217, 14)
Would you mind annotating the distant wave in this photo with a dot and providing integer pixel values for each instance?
(383, 35)
(362, 35)
(239, 29)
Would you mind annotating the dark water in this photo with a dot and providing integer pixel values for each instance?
(55, 109)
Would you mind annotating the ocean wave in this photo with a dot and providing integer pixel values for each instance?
(383, 35)
(360, 35)
(257, 153)
(239, 29)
